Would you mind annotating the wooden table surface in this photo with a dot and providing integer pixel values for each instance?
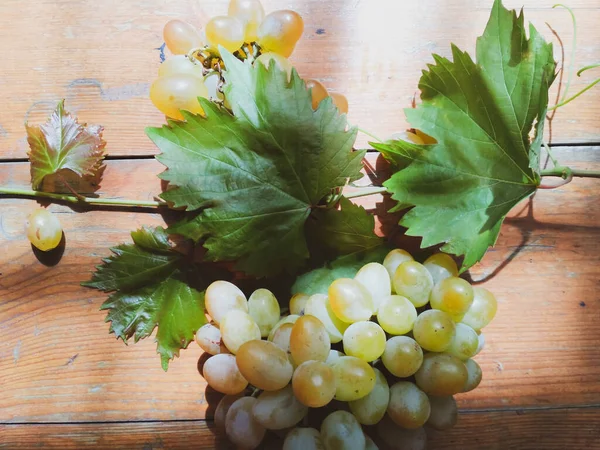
(66, 383)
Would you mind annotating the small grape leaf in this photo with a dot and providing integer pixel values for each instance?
(254, 177)
(63, 143)
(481, 115)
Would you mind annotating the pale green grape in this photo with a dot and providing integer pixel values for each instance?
(318, 92)
(413, 281)
(174, 93)
(208, 337)
(303, 439)
(340, 101)
(314, 383)
(365, 340)
(237, 328)
(280, 31)
(444, 413)
(465, 342)
(222, 408)
(318, 306)
(452, 295)
(474, 375)
(263, 307)
(480, 344)
(370, 409)
(354, 377)
(179, 64)
(409, 406)
(441, 374)
(298, 303)
(43, 229)
(281, 62)
(241, 428)
(222, 374)
(211, 81)
(396, 314)
(407, 136)
(276, 410)
(334, 355)
(225, 31)
(393, 259)
(369, 444)
(181, 37)
(434, 330)
(441, 266)
(350, 301)
(341, 431)
(222, 297)
(264, 365)
(285, 319)
(398, 438)
(482, 310)
(251, 13)
(375, 279)
(281, 337)
(402, 356)
(309, 340)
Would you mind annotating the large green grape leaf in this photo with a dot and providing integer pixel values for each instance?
(254, 177)
(482, 116)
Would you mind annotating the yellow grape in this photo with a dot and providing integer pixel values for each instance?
(43, 229)
(208, 337)
(298, 303)
(180, 37)
(452, 295)
(407, 136)
(402, 356)
(238, 327)
(396, 314)
(441, 266)
(374, 277)
(286, 319)
(365, 340)
(318, 306)
(241, 428)
(425, 137)
(474, 375)
(354, 378)
(281, 337)
(276, 410)
(280, 31)
(251, 13)
(264, 309)
(413, 281)
(482, 310)
(222, 374)
(370, 409)
(309, 340)
(317, 91)
(314, 383)
(222, 408)
(442, 375)
(179, 64)
(174, 93)
(465, 342)
(264, 365)
(281, 62)
(409, 406)
(340, 101)
(394, 258)
(221, 297)
(434, 330)
(350, 301)
(225, 31)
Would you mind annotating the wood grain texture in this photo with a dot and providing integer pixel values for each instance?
(102, 58)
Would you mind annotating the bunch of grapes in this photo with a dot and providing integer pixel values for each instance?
(194, 70)
(387, 349)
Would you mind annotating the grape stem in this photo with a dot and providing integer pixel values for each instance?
(363, 192)
(566, 172)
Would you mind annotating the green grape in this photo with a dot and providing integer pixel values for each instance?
(402, 356)
(480, 344)
(241, 428)
(264, 365)
(298, 303)
(276, 410)
(222, 408)
(482, 310)
(413, 281)
(396, 315)
(174, 93)
(251, 13)
(340, 101)
(465, 342)
(452, 295)
(208, 337)
(238, 328)
(211, 81)
(441, 266)
(354, 377)
(281, 63)
(285, 319)
(281, 337)
(409, 406)
(369, 444)
(341, 431)
(334, 355)
(370, 409)
(303, 439)
(318, 92)
(365, 340)
(280, 31)
(309, 340)
(393, 259)
(407, 136)
(222, 374)
(318, 306)
(181, 37)
(444, 413)
(474, 375)
(441, 374)
(179, 64)
(263, 307)
(43, 229)
(350, 301)
(375, 279)
(398, 438)
(314, 383)
(225, 31)
(434, 330)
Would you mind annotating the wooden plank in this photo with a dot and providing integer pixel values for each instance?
(102, 60)
(506, 430)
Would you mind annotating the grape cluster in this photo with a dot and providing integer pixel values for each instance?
(387, 349)
(194, 70)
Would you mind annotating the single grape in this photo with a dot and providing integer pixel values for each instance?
(365, 340)
(340, 101)
(341, 431)
(444, 413)
(474, 375)
(298, 303)
(407, 136)
(43, 229)
(318, 306)
(263, 307)
(334, 355)
(303, 439)
(281, 63)
(314, 383)
(222, 297)
(318, 92)
(309, 340)
(393, 259)
(350, 301)
(222, 374)
(281, 338)
(441, 266)
(251, 13)
(241, 428)
(480, 344)
(434, 330)
(465, 342)
(413, 281)
(264, 365)
(280, 31)
(375, 279)
(222, 408)
(402, 356)
(369, 444)
(398, 438)
(354, 377)
(285, 319)
(181, 37)
(452, 295)
(237, 328)
(208, 337)
(174, 93)
(225, 31)
(211, 81)
(276, 410)
(370, 409)
(441, 374)
(482, 310)
(179, 64)
(425, 137)
(396, 314)
(409, 406)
